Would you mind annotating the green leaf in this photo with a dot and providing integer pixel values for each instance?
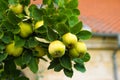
(78, 60)
(36, 13)
(58, 68)
(6, 24)
(12, 2)
(7, 38)
(16, 73)
(3, 56)
(62, 28)
(68, 73)
(50, 22)
(19, 42)
(24, 59)
(19, 61)
(16, 29)
(72, 4)
(1, 15)
(73, 20)
(1, 67)
(84, 35)
(80, 67)
(51, 34)
(2, 46)
(61, 3)
(53, 63)
(65, 61)
(65, 11)
(22, 78)
(86, 57)
(62, 18)
(76, 12)
(9, 66)
(3, 5)
(33, 65)
(1, 34)
(25, 2)
(41, 30)
(13, 19)
(76, 29)
(48, 2)
(32, 42)
(50, 11)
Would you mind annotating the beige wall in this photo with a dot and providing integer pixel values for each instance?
(100, 67)
(118, 63)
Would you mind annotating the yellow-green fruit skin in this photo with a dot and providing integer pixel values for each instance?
(39, 24)
(69, 39)
(41, 51)
(79, 50)
(12, 50)
(73, 53)
(25, 29)
(17, 8)
(56, 49)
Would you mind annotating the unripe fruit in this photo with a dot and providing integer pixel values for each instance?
(56, 49)
(17, 8)
(69, 39)
(79, 50)
(11, 49)
(41, 51)
(39, 24)
(25, 29)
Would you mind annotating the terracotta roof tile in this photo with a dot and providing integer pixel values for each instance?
(103, 16)
(36, 1)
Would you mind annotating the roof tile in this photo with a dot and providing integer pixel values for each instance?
(103, 16)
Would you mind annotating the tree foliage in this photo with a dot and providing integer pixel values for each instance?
(59, 17)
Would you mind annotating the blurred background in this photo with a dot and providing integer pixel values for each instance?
(102, 17)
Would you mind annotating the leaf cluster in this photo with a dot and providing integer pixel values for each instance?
(59, 18)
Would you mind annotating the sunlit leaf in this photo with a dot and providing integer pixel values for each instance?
(73, 20)
(76, 29)
(84, 34)
(36, 13)
(72, 4)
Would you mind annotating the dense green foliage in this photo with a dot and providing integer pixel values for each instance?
(59, 17)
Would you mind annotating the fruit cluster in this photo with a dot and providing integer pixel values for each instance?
(76, 48)
(26, 29)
